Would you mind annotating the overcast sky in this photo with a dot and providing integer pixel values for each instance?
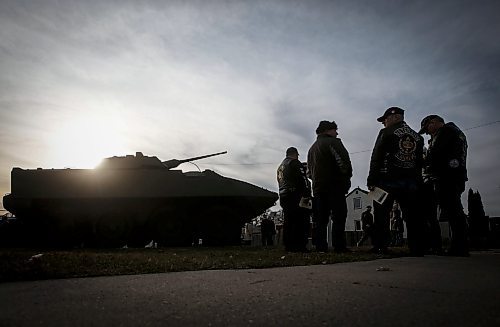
(84, 80)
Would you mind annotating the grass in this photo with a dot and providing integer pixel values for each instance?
(33, 264)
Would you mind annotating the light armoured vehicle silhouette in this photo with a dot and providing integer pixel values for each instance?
(132, 200)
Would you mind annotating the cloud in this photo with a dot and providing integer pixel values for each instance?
(185, 78)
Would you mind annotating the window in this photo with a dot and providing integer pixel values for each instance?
(357, 203)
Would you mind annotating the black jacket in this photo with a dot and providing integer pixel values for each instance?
(447, 154)
(366, 220)
(397, 157)
(329, 165)
(292, 178)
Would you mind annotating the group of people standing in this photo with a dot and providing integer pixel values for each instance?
(420, 181)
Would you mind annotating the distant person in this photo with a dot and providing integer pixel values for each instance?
(397, 226)
(367, 225)
(293, 186)
(446, 159)
(331, 171)
(396, 167)
(267, 230)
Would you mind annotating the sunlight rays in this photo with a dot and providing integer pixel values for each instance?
(82, 141)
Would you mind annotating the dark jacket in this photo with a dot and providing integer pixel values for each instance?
(447, 154)
(292, 178)
(366, 220)
(397, 157)
(329, 165)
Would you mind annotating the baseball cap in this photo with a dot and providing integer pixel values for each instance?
(426, 121)
(391, 111)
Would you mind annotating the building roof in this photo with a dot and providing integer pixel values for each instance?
(357, 188)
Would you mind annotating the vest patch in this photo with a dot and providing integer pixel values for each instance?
(406, 154)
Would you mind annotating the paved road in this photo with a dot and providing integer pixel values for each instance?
(429, 291)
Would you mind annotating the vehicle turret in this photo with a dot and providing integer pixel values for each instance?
(142, 161)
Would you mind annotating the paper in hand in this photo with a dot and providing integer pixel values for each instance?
(378, 195)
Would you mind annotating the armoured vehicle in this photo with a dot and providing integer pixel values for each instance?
(132, 200)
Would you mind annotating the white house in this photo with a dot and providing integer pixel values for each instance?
(357, 201)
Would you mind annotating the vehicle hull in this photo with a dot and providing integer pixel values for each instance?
(117, 207)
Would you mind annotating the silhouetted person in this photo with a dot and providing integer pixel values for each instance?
(268, 230)
(367, 225)
(331, 171)
(397, 226)
(446, 159)
(293, 185)
(393, 223)
(396, 167)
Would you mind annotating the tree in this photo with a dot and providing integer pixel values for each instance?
(477, 219)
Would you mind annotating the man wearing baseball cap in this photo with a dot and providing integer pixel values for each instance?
(446, 164)
(396, 167)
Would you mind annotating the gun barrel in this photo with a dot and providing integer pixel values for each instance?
(174, 162)
(202, 157)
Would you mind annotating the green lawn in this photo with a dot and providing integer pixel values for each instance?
(32, 264)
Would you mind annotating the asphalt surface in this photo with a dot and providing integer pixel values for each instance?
(428, 291)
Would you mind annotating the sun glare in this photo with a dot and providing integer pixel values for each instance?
(83, 141)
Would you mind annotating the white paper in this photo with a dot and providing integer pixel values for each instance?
(378, 195)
